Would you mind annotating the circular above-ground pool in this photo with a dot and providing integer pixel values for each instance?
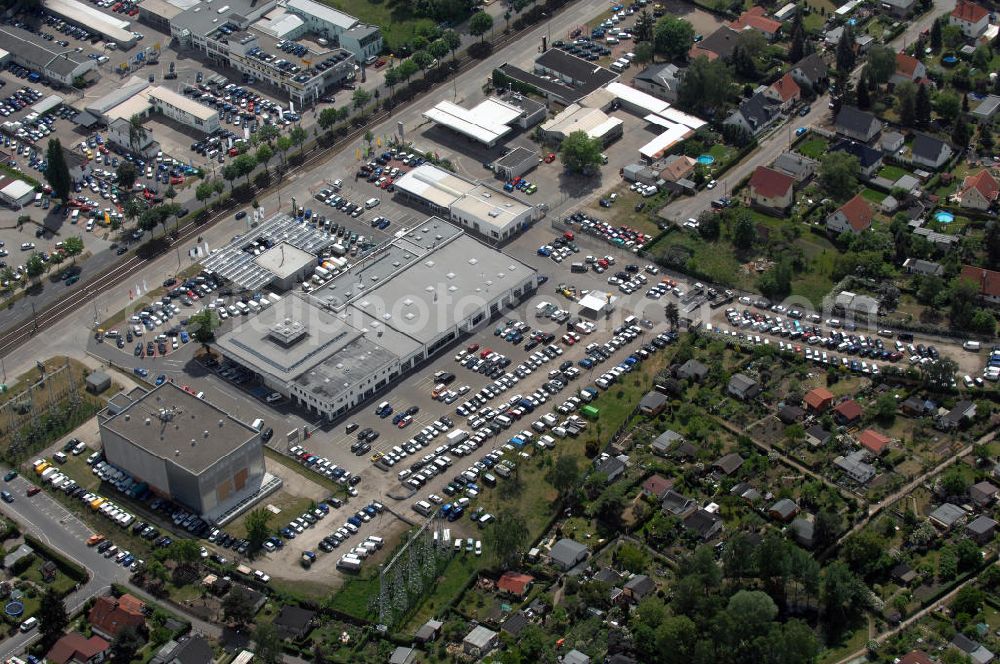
(706, 159)
(14, 609)
(949, 60)
(944, 217)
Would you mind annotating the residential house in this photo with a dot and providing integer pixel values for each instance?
(728, 464)
(754, 114)
(428, 631)
(929, 151)
(653, 403)
(987, 108)
(818, 399)
(639, 586)
(747, 492)
(987, 280)
(293, 623)
(190, 649)
(798, 166)
(855, 217)
(903, 574)
(899, 8)
(514, 583)
(109, 615)
(772, 189)
(743, 387)
(660, 80)
(785, 91)
(960, 413)
(891, 142)
(675, 504)
(515, 624)
(657, 486)
(566, 553)
(403, 655)
(784, 510)
(480, 641)
(665, 441)
(945, 516)
(75, 648)
(914, 406)
(874, 442)
(852, 303)
(804, 531)
(979, 191)
(790, 414)
(755, 19)
(692, 370)
(977, 652)
(856, 467)
(817, 436)
(677, 167)
(611, 466)
(811, 71)
(983, 493)
(908, 68)
(869, 159)
(719, 44)
(703, 524)
(981, 530)
(972, 19)
(920, 266)
(575, 657)
(857, 124)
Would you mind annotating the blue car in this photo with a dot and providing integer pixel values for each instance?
(543, 251)
(161, 379)
(128, 560)
(185, 337)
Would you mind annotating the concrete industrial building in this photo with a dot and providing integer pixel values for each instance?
(340, 345)
(478, 207)
(184, 448)
(184, 110)
(362, 40)
(94, 21)
(489, 120)
(54, 62)
(593, 121)
(516, 162)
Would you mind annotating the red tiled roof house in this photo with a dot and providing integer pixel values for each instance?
(785, 91)
(109, 616)
(874, 442)
(971, 18)
(847, 412)
(908, 68)
(818, 400)
(772, 189)
(514, 583)
(988, 281)
(657, 486)
(754, 19)
(854, 216)
(75, 648)
(979, 191)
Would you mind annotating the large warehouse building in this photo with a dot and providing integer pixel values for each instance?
(47, 58)
(337, 347)
(94, 21)
(489, 120)
(490, 212)
(185, 449)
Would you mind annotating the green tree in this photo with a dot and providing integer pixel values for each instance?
(507, 538)
(744, 232)
(126, 175)
(922, 106)
(706, 84)
(864, 552)
(361, 98)
(632, 558)
(954, 483)
(961, 135)
(52, 616)
(906, 103)
(672, 315)
(185, 551)
(936, 37)
(885, 409)
(230, 172)
(673, 37)
(127, 644)
(565, 474)
(422, 59)
(453, 40)
(480, 24)
(842, 594)
(35, 265)
(881, 63)
(298, 135)
(57, 171)
(328, 116)
(644, 52)
(579, 152)
(264, 155)
(947, 105)
(863, 98)
(964, 298)
(73, 246)
(203, 325)
(838, 174)
(797, 47)
(257, 528)
(268, 133)
(438, 48)
(283, 144)
(642, 31)
(845, 51)
(969, 601)
(751, 612)
(136, 133)
(237, 606)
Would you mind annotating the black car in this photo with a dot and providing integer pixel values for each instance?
(371, 435)
(412, 410)
(355, 479)
(70, 444)
(363, 449)
(241, 214)
(268, 432)
(364, 433)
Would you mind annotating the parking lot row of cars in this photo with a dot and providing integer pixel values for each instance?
(622, 236)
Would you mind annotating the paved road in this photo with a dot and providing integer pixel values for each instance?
(778, 141)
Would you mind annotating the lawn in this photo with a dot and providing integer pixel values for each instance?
(623, 212)
(892, 172)
(396, 19)
(873, 196)
(713, 259)
(290, 506)
(813, 23)
(814, 148)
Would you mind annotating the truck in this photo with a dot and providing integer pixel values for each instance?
(349, 562)
(456, 437)
(590, 412)
(338, 249)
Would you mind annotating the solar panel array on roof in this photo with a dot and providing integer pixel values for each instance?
(235, 261)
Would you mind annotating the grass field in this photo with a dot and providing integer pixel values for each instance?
(814, 148)
(891, 172)
(712, 259)
(395, 17)
(872, 196)
(290, 506)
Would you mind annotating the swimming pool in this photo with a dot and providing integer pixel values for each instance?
(944, 217)
(706, 159)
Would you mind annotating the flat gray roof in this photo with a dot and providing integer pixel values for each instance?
(177, 426)
(517, 156)
(204, 18)
(32, 48)
(284, 260)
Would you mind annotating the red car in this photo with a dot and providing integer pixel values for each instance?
(405, 422)
(472, 348)
(550, 157)
(32, 490)
(485, 352)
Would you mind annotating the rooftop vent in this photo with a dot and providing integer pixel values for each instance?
(148, 421)
(473, 261)
(429, 263)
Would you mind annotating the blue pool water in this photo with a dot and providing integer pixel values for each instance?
(944, 217)
(706, 159)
